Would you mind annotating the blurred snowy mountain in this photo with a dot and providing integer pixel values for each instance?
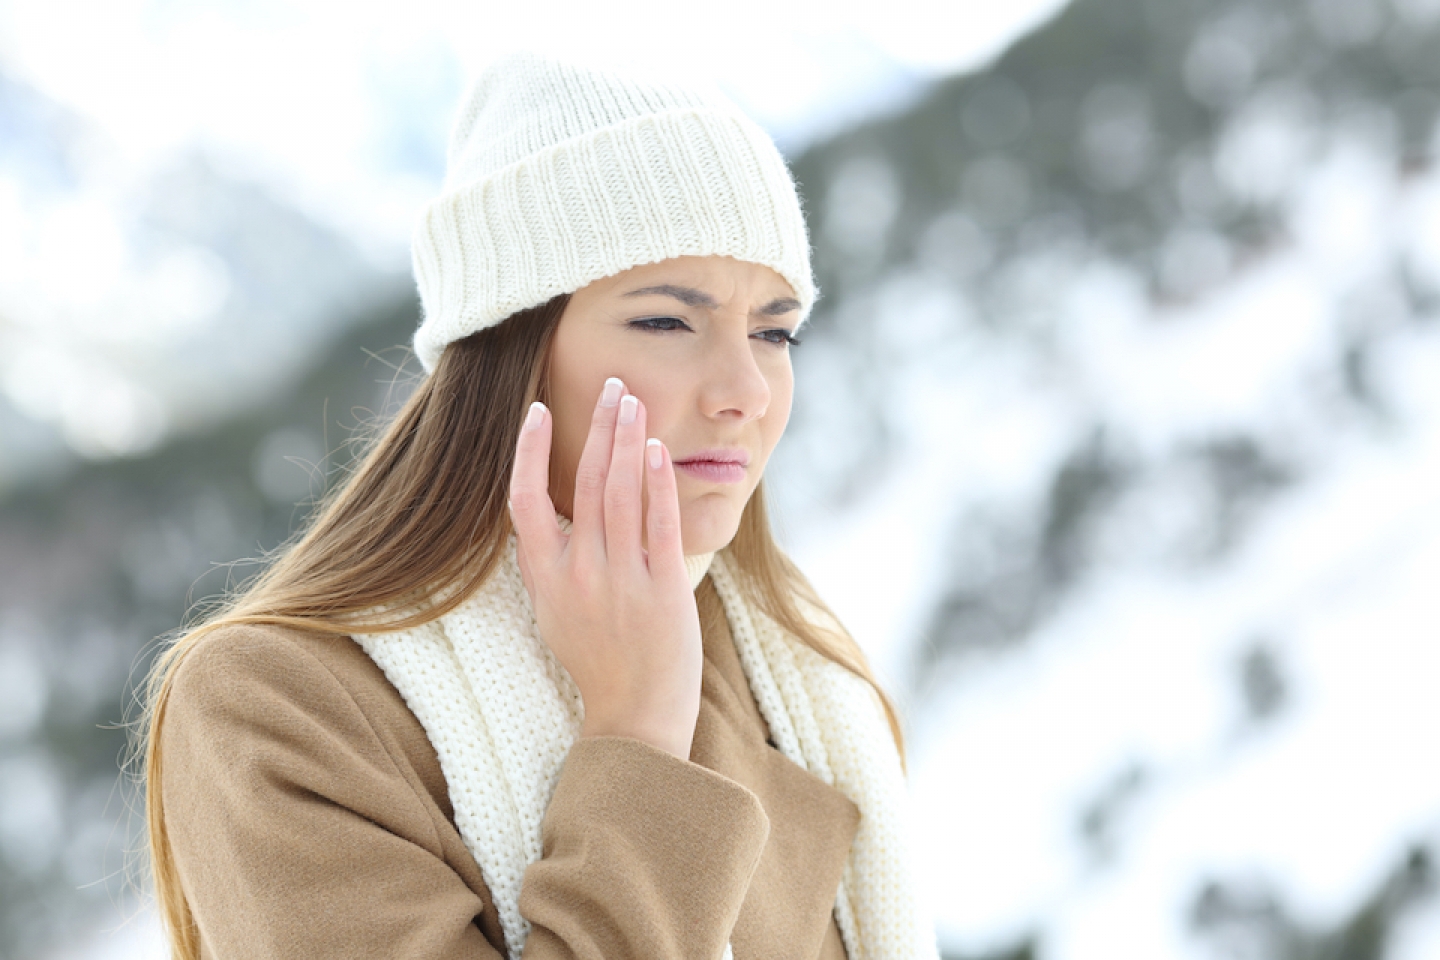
(194, 200)
(1126, 387)
(138, 303)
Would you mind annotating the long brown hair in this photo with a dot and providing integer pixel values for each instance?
(426, 507)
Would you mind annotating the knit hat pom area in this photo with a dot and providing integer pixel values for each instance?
(560, 174)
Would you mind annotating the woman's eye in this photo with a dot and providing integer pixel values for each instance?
(659, 323)
(778, 336)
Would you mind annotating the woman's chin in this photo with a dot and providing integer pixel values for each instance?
(708, 525)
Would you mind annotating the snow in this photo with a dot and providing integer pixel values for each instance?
(127, 935)
(1139, 669)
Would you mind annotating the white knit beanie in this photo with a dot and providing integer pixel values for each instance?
(560, 174)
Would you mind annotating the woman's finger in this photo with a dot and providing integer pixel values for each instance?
(662, 521)
(523, 563)
(531, 509)
(589, 507)
(623, 485)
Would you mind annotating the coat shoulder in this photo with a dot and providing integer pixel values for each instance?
(305, 808)
(247, 654)
(263, 681)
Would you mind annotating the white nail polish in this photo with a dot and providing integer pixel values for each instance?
(611, 394)
(657, 456)
(628, 405)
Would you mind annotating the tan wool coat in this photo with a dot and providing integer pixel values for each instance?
(309, 818)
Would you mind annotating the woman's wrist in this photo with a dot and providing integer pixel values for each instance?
(674, 737)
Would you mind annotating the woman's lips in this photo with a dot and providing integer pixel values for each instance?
(713, 471)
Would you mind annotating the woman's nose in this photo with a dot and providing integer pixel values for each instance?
(734, 385)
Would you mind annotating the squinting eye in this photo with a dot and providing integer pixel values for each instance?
(659, 324)
(778, 337)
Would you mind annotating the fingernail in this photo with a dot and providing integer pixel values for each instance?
(652, 448)
(611, 394)
(536, 414)
(628, 405)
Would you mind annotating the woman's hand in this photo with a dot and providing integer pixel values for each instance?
(620, 618)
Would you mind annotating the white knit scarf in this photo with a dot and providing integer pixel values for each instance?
(502, 714)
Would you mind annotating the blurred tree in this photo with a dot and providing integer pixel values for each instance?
(1163, 139)
(96, 565)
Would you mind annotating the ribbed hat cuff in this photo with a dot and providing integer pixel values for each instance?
(589, 208)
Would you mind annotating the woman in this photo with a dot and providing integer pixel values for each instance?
(536, 680)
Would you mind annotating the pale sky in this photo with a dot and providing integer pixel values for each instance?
(303, 93)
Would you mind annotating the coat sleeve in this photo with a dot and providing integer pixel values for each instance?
(296, 834)
(645, 855)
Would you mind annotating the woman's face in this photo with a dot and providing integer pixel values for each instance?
(702, 342)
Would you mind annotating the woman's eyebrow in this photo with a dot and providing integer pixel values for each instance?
(686, 295)
(699, 298)
(778, 306)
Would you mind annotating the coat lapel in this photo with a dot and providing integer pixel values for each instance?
(811, 828)
(788, 909)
